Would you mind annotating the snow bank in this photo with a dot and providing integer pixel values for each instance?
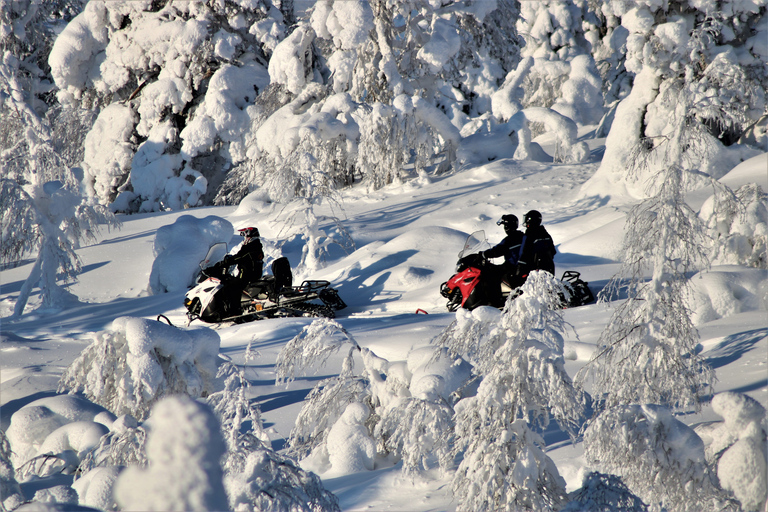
(727, 290)
(184, 449)
(94, 489)
(138, 361)
(41, 426)
(180, 247)
(738, 446)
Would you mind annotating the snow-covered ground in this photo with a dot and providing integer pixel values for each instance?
(407, 237)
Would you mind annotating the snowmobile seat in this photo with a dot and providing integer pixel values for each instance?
(281, 269)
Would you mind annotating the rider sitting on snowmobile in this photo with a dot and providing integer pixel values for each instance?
(250, 265)
(509, 248)
(249, 259)
(538, 251)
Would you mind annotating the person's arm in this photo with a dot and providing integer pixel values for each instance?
(497, 251)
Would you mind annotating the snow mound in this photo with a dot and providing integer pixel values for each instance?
(37, 427)
(727, 290)
(179, 248)
(351, 449)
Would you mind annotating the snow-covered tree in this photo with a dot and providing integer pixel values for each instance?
(173, 82)
(400, 410)
(647, 352)
(184, 447)
(137, 362)
(709, 61)
(518, 355)
(256, 477)
(738, 229)
(10, 491)
(604, 493)
(40, 204)
(658, 457)
(563, 76)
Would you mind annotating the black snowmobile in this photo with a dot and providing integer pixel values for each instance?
(474, 283)
(221, 297)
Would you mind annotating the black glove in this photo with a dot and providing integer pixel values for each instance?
(227, 261)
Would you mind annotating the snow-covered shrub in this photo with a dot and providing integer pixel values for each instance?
(504, 466)
(180, 247)
(737, 447)
(122, 446)
(659, 458)
(270, 481)
(137, 362)
(95, 488)
(727, 290)
(184, 449)
(398, 409)
(10, 492)
(519, 356)
(330, 397)
(240, 420)
(604, 493)
(740, 234)
(45, 427)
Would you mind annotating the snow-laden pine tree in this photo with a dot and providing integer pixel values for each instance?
(518, 354)
(172, 83)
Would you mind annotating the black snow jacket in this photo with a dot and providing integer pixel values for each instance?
(509, 248)
(538, 252)
(249, 260)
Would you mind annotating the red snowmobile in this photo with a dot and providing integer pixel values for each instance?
(476, 284)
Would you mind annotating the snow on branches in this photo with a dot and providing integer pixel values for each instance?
(137, 362)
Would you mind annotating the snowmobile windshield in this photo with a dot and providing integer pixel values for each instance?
(475, 243)
(215, 254)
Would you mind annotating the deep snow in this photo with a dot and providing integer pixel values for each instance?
(407, 238)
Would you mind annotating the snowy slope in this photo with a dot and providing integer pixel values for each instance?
(407, 238)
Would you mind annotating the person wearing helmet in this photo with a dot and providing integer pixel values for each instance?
(509, 249)
(538, 250)
(249, 259)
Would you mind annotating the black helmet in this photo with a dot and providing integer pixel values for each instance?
(509, 221)
(532, 219)
(249, 233)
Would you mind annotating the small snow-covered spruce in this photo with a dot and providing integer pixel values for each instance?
(137, 362)
(647, 352)
(604, 493)
(235, 411)
(520, 350)
(519, 359)
(419, 429)
(272, 482)
(312, 348)
(256, 477)
(668, 464)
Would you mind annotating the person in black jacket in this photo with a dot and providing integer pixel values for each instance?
(509, 248)
(249, 259)
(538, 250)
